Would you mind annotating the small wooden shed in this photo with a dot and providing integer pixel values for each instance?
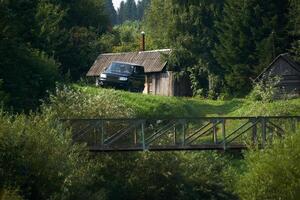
(287, 69)
(158, 81)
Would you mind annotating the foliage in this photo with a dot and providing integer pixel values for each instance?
(78, 26)
(220, 47)
(266, 89)
(140, 105)
(294, 24)
(164, 175)
(44, 153)
(157, 31)
(251, 34)
(123, 38)
(129, 10)
(43, 41)
(111, 12)
(27, 75)
(295, 50)
(38, 157)
(272, 173)
(3, 95)
(70, 102)
(9, 194)
(189, 29)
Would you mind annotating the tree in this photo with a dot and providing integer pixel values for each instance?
(27, 73)
(294, 23)
(121, 13)
(158, 24)
(129, 10)
(124, 38)
(45, 164)
(111, 12)
(42, 39)
(142, 6)
(251, 35)
(188, 27)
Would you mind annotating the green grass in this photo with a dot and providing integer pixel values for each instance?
(161, 106)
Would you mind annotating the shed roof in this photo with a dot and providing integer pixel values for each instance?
(285, 57)
(152, 61)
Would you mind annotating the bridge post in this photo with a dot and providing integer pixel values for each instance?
(175, 135)
(97, 131)
(135, 136)
(102, 132)
(215, 136)
(264, 131)
(224, 133)
(183, 122)
(254, 131)
(143, 135)
(294, 125)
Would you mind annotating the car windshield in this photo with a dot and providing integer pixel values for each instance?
(120, 68)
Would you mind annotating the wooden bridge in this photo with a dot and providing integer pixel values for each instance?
(204, 133)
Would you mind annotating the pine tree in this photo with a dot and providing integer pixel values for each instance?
(189, 28)
(252, 33)
(142, 5)
(34, 33)
(121, 13)
(294, 25)
(111, 12)
(159, 23)
(130, 10)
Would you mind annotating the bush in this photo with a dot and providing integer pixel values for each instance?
(273, 173)
(27, 74)
(38, 157)
(9, 194)
(70, 102)
(162, 175)
(265, 90)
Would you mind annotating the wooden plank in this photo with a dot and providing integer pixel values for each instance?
(171, 148)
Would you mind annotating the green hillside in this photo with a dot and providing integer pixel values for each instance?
(140, 105)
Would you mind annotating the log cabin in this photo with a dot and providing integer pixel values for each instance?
(287, 69)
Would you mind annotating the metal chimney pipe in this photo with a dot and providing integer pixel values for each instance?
(143, 41)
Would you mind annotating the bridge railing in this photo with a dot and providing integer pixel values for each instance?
(205, 133)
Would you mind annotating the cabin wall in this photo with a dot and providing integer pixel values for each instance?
(165, 84)
(159, 84)
(290, 78)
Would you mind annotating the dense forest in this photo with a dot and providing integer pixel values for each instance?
(215, 45)
(220, 46)
(129, 10)
(224, 42)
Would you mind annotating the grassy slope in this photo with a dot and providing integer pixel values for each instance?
(159, 106)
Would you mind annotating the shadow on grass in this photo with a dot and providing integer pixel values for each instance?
(204, 109)
(188, 108)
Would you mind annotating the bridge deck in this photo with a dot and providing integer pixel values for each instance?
(169, 148)
(178, 134)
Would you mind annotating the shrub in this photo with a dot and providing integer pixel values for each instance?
(162, 175)
(273, 173)
(70, 102)
(9, 194)
(38, 157)
(265, 90)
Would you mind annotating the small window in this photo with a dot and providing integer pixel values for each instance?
(139, 70)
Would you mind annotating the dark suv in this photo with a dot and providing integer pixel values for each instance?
(123, 75)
